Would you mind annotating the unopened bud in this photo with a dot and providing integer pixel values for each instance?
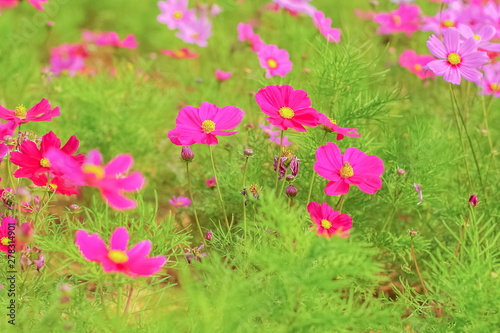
(74, 207)
(473, 201)
(290, 178)
(291, 191)
(413, 233)
(401, 171)
(187, 154)
(248, 152)
(209, 235)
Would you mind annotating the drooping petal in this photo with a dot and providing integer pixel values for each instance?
(148, 266)
(92, 246)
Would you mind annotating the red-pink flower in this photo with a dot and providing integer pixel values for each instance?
(39, 112)
(201, 125)
(323, 24)
(416, 63)
(54, 184)
(352, 168)
(111, 179)
(8, 235)
(211, 182)
(68, 57)
(222, 76)
(182, 53)
(110, 38)
(329, 222)
(286, 107)
(331, 126)
(117, 257)
(404, 19)
(275, 61)
(180, 201)
(4, 4)
(33, 160)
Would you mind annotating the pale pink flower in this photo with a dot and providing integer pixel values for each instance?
(405, 19)
(180, 201)
(195, 31)
(174, 13)
(323, 24)
(275, 61)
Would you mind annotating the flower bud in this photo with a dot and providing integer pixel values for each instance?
(413, 233)
(187, 154)
(74, 207)
(473, 201)
(294, 166)
(248, 152)
(401, 171)
(291, 191)
(290, 178)
(209, 235)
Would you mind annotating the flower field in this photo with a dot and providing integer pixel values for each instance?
(249, 166)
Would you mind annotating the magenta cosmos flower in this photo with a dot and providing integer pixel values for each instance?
(201, 125)
(174, 13)
(222, 76)
(40, 112)
(8, 235)
(33, 160)
(180, 201)
(416, 63)
(324, 25)
(329, 222)
(457, 59)
(405, 19)
(111, 179)
(286, 107)
(117, 257)
(275, 61)
(331, 126)
(352, 168)
(38, 4)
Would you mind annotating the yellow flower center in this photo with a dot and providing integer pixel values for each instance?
(477, 37)
(196, 36)
(5, 241)
(448, 23)
(53, 187)
(286, 112)
(45, 162)
(326, 224)
(346, 171)
(96, 170)
(272, 63)
(179, 203)
(417, 67)
(333, 121)
(118, 257)
(178, 15)
(208, 126)
(454, 58)
(495, 87)
(397, 19)
(20, 112)
(179, 53)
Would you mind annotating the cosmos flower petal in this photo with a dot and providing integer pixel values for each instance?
(92, 246)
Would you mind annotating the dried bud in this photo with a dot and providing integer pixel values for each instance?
(187, 154)
(291, 191)
(294, 166)
(248, 152)
(413, 233)
(209, 235)
(473, 201)
(401, 171)
(74, 207)
(290, 178)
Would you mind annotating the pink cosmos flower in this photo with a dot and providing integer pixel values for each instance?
(323, 24)
(275, 61)
(331, 126)
(404, 19)
(38, 4)
(352, 168)
(201, 125)
(416, 63)
(6, 133)
(182, 53)
(491, 82)
(174, 13)
(180, 201)
(7, 234)
(301, 6)
(117, 257)
(328, 221)
(54, 184)
(110, 38)
(457, 59)
(443, 20)
(4, 4)
(33, 161)
(483, 34)
(111, 179)
(39, 112)
(222, 76)
(246, 34)
(286, 107)
(67, 57)
(195, 31)
(211, 182)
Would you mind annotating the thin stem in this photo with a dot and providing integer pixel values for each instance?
(461, 240)
(218, 187)
(244, 199)
(192, 200)
(278, 165)
(129, 298)
(313, 177)
(282, 188)
(340, 203)
(416, 266)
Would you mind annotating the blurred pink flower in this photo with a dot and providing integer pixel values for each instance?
(323, 24)
(195, 31)
(211, 182)
(222, 76)
(180, 201)
(182, 53)
(275, 61)
(329, 222)
(38, 4)
(416, 63)
(404, 19)
(246, 34)
(174, 13)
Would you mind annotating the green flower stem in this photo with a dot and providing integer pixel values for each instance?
(192, 200)
(217, 186)
(244, 199)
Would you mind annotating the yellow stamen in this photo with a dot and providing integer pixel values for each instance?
(397, 19)
(454, 58)
(495, 87)
(477, 37)
(5, 241)
(96, 170)
(196, 35)
(272, 63)
(179, 53)
(333, 121)
(286, 112)
(417, 67)
(326, 224)
(208, 126)
(286, 153)
(118, 257)
(448, 23)
(53, 187)
(347, 170)
(178, 15)
(45, 162)
(20, 112)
